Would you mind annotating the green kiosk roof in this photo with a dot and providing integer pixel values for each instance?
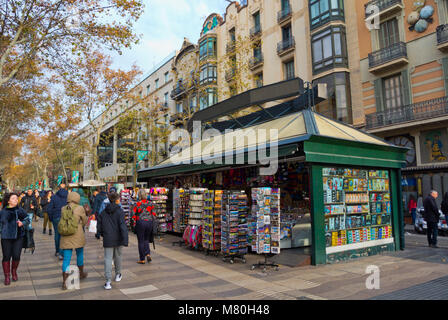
(325, 141)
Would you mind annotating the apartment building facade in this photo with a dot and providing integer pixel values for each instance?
(404, 72)
(115, 158)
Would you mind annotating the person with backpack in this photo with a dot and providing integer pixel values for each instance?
(13, 222)
(111, 226)
(70, 227)
(145, 223)
(54, 213)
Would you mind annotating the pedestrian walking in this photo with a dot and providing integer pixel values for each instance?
(432, 218)
(92, 198)
(412, 207)
(112, 227)
(54, 213)
(144, 230)
(444, 206)
(37, 208)
(29, 204)
(99, 199)
(13, 222)
(45, 203)
(74, 237)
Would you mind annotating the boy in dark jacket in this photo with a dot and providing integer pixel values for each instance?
(112, 227)
(29, 204)
(54, 214)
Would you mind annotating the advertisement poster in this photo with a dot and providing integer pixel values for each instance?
(434, 146)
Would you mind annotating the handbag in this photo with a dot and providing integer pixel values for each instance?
(92, 226)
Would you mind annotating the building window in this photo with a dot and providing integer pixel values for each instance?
(286, 33)
(207, 74)
(338, 104)
(329, 49)
(285, 5)
(289, 70)
(179, 107)
(208, 98)
(207, 48)
(148, 89)
(259, 80)
(393, 94)
(232, 35)
(157, 84)
(323, 11)
(193, 104)
(388, 33)
(167, 120)
(166, 98)
(167, 77)
(256, 17)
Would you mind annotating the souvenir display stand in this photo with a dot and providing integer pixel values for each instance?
(159, 198)
(234, 227)
(180, 212)
(126, 203)
(193, 231)
(266, 213)
(211, 234)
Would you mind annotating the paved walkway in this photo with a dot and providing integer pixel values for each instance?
(180, 273)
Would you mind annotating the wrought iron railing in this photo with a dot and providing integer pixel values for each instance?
(178, 90)
(442, 34)
(255, 31)
(381, 4)
(256, 60)
(417, 111)
(230, 47)
(284, 45)
(230, 74)
(393, 52)
(284, 14)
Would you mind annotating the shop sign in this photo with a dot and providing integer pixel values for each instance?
(434, 146)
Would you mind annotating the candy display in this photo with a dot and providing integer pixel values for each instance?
(159, 199)
(234, 226)
(357, 205)
(266, 213)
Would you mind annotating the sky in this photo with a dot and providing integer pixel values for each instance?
(163, 27)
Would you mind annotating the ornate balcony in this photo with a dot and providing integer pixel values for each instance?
(285, 46)
(178, 92)
(387, 58)
(284, 15)
(386, 7)
(414, 112)
(230, 47)
(230, 74)
(442, 37)
(255, 32)
(256, 61)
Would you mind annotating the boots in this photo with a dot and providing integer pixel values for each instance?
(50, 232)
(64, 279)
(44, 231)
(82, 274)
(15, 265)
(6, 272)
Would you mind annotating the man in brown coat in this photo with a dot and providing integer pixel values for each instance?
(75, 241)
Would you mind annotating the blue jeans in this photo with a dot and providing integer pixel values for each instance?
(30, 215)
(67, 253)
(57, 236)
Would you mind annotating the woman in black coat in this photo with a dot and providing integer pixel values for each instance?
(13, 221)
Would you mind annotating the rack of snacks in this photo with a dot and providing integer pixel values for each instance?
(357, 206)
(266, 210)
(234, 227)
(159, 199)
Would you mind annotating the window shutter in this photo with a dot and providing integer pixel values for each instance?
(406, 90)
(445, 73)
(378, 85)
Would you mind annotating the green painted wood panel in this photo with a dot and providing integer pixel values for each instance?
(318, 246)
(397, 209)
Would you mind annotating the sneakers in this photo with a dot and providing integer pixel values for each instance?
(61, 257)
(107, 286)
(118, 277)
